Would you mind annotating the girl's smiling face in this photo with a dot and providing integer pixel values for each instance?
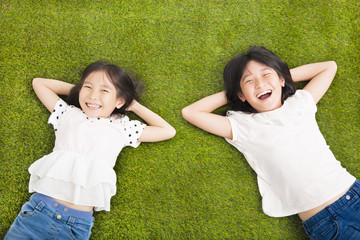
(261, 87)
(98, 96)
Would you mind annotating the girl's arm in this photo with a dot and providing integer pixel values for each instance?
(157, 130)
(48, 91)
(200, 114)
(320, 75)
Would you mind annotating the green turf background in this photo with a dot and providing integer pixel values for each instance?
(194, 186)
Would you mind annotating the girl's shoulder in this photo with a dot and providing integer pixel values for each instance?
(59, 110)
(302, 98)
(300, 93)
(63, 110)
(131, 129)
(125, 122)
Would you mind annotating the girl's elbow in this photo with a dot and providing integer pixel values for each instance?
(36, 82)
(172, 132)
(333, 65)
(166, 134)
(186, 112)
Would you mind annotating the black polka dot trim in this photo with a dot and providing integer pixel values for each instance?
(59, 110)
(133, 130)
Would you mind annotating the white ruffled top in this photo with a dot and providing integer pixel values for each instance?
(80, 168)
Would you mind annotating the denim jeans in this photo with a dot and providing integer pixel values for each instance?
(43, 218)
(340, 220)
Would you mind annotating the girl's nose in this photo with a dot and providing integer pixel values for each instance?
(259, 83)
(93, 95)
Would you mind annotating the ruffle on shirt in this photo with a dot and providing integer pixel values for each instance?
(68, 176)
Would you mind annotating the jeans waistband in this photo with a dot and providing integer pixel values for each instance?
(70, 212)
(350, 196)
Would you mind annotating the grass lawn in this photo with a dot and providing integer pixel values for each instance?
(194, 186)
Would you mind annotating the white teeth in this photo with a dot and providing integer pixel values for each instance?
(261, 94)
(91, 105)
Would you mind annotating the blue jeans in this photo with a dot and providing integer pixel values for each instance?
(340, 220)
(43, 218)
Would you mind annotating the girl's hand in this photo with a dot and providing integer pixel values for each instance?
(200, 114)
(132, 105)
(157, 129)
(48, 91)
(320, 75)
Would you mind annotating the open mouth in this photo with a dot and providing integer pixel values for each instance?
(264, 95)
(93, 105)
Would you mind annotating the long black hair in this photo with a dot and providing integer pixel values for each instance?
(235, 68)
(125, 87)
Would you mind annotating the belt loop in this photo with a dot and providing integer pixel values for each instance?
(70, 221)
(40, 206)
(356, 187)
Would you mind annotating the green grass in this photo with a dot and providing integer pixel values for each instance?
(194, 186)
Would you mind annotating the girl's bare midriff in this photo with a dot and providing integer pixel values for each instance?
(75, 206)
(308, 214)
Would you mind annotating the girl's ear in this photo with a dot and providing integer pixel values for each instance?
(282, 82)
(120, 102)
(241, 97)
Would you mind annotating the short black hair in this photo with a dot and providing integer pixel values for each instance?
(125, 86)
(234, 71)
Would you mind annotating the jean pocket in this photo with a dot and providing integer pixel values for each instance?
(27, 210)
(326, 229)
(79, 232)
